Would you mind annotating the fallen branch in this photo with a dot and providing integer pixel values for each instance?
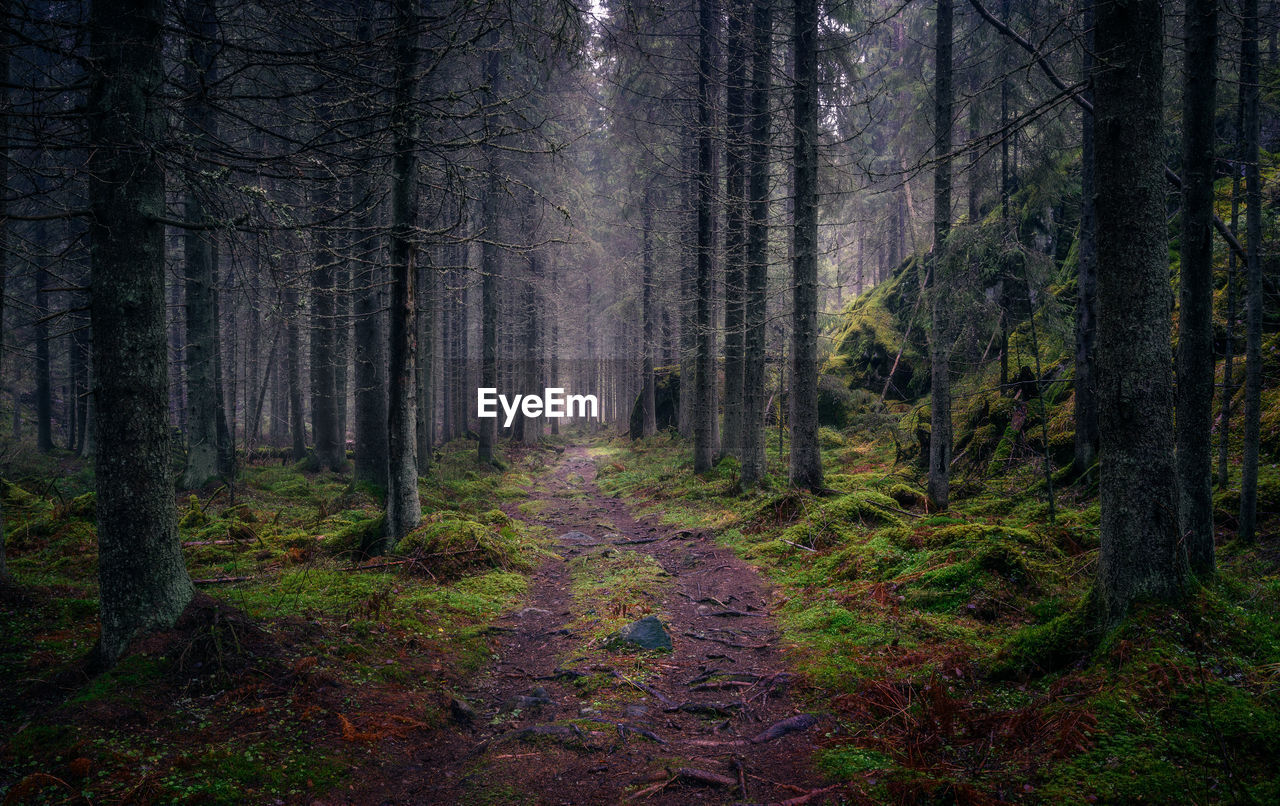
(374, 566)
(624, 729)
(704, 777)
(220, 580)
(193, 543)
(738, 613)
(789, 725)
(797, 545)
(733, 644)
(706, 708)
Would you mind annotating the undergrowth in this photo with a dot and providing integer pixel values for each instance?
(308, 655)
(954, 648)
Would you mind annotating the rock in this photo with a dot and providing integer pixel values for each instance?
(647, 633)
(523, 703)
(461, 711)
(637, 711)
(576, 538)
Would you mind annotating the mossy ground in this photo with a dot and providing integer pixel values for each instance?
(954, 648)
(282, 711)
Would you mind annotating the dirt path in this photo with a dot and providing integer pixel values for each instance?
(558, 718)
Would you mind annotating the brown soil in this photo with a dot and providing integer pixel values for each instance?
(631, 745)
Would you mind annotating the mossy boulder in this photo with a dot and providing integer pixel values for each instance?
(454, 547)
(83, 506)
(195, 516)
(649, 633)
(872, 335)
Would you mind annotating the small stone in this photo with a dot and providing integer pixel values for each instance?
(576, 538)
(647, 633)
(461, 711)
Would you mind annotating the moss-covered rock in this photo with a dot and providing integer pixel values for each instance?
(195, 516)
(871, 337)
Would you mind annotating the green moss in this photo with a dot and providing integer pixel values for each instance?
(863, 507)
(453, 547)
(357, 538)
(846, 762)
(195, 516)
(1041, 648)
(906, 495)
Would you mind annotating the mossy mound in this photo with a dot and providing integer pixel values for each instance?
(455, 546)
(1046, 647)
(195, 516)
(864, 508)
(906, 495)
(356, 539)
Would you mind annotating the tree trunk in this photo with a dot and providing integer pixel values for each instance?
(806, 459)
(199, 258)
(1228, 359)
(648, 405)
(426, 365)
(753, 377)
(1086, 392)
(143, 581)
(490, 268)
(297, 423)
(44, 392)
(1251, 123)
(735, 226)
(939, 484)
(5, 8)
(704, 416)
(324, 390)
(1195, 307)
(404, 508)
(1141, 555)
(688, 297)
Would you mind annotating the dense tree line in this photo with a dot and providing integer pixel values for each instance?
(245, 233)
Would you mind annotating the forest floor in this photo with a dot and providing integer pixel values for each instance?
(560, 717)
(850, 647)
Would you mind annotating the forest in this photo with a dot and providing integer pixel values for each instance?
(639, 401)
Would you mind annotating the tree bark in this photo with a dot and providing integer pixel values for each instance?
(490, 268)
(1141, 555)
(199, 257)
(753, 377)
(735, 226)
(939, 484)
(1250, 72)
(806, 459)
(143, 581)
(404, 508)
(44, 392)
(648, 405)
(5, 8)
(297, 423)
(324, 389)
(1086, 330)
(1195, 294)
(704, 414)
